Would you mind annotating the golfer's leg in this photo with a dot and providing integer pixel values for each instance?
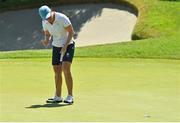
(66, 66)
(58, 79)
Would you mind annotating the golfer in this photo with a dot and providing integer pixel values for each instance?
(58, 27)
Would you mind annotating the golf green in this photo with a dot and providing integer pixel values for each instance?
(104, 89)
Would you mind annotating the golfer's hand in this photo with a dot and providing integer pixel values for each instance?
(45, 42)
(63, 50)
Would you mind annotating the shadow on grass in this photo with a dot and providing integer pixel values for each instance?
(49, 105)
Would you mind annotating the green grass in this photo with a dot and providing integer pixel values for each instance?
(157, 18)
(124, 90)
(107, 87)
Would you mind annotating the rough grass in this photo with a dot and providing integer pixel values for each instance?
(165, 48)
(161, 48)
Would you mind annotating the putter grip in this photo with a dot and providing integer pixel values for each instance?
(61, 58)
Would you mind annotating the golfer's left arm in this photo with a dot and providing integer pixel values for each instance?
(70, 31)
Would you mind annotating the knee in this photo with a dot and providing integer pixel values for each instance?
(57, 70)
(66, 69)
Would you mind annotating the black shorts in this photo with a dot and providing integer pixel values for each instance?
(68, 56)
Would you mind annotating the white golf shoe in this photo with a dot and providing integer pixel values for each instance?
(69, 99)
(55, 99)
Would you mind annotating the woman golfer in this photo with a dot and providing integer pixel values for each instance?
(58, 26)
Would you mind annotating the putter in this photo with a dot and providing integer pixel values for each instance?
(61, 57)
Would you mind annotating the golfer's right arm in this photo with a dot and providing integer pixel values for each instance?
(47, 38)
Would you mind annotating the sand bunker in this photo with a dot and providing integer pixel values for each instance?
(93, 24)
(113, 25)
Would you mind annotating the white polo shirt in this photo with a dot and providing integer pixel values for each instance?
(57, 29)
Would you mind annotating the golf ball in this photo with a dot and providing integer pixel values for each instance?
(146, 115)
